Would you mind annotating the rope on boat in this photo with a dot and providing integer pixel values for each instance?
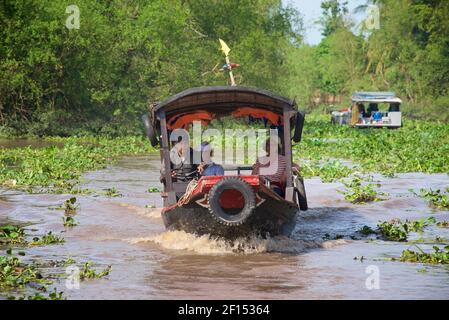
(189, 190)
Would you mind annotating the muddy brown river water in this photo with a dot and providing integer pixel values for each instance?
(151, 263)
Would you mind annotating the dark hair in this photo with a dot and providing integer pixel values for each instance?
(203, 146)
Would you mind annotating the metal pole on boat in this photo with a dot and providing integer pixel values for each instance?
(226, 49)
(231, 75)
(165, 147)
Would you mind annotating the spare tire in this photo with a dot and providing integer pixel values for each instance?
(299, 124)
(231, 218)
(150, 130)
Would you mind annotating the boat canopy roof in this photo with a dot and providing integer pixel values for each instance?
(375, 97)
(223, 100)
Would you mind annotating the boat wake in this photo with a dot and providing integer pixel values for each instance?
(180, 240)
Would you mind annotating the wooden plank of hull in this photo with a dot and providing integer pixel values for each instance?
(273, 217)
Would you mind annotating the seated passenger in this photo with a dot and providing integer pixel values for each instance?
(207, 167)
(361, 108)
(394, 107)
(377, 116)
(372, 108)
(181, 162)
(277, 175)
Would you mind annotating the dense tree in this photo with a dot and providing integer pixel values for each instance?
(126, 55)
(408, 54)
(333, 17)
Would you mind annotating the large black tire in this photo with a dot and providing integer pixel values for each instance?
(299, 125)
(302, 197)
(217, 211)
(150, 130)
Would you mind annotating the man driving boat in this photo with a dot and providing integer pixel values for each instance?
(181, 162)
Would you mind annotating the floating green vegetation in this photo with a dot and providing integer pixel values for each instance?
(112, 192)
(436, 240)
(366, 231)
(14, 273)
(358, 193)
(396, 230)
(436, 198)
(328, 172)
(378, 150)
(69, 262)
(15, 235)
(58, 169)
(10, 234)
(437, 256)
(70, 206)
(69, 222)
(419, 225)
(52, 295)
(153, 190)
(443, 224)
(87, 272)
(47, 239)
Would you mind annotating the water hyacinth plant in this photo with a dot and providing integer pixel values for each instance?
(87, 272)
(47, 239)
(397, 230)
(436, 198)
(69, 222)
(14, 273)
(358, 193)
(58, 169)
(10, 234)
(436, 256)
(371, 150)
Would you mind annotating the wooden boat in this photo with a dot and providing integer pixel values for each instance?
(356, 116)
(232, 205)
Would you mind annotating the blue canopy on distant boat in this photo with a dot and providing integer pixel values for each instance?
(376, 97)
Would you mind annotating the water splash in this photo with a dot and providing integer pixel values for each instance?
(180, 240)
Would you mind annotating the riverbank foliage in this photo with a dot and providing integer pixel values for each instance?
(126, 55)
(101, 77)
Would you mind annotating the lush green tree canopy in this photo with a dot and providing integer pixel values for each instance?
(408, 54)
(125, 55)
